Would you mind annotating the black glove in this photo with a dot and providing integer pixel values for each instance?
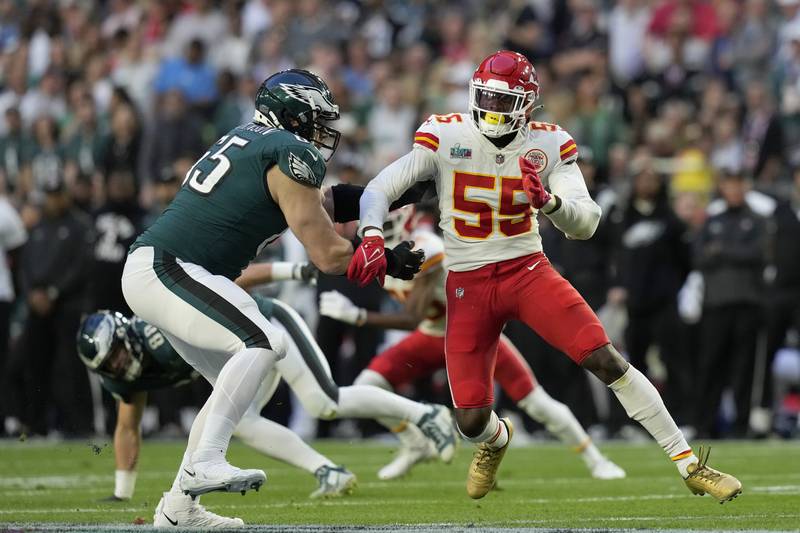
(306, 272)
(403, 262)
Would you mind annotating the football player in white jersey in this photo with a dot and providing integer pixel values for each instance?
(494, 171)
(422, 352)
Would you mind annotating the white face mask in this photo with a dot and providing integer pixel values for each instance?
(498, 111)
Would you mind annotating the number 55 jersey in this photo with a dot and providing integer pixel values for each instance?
(485, 214)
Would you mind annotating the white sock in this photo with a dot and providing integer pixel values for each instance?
(559, 420)
(494, 435)
(235, 388)
(643, 403)
(368, 401)
(408, 434)
(279, 442)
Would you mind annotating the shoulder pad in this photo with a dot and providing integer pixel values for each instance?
(301, 161)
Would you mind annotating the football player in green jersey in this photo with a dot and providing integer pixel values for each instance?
(254, 183)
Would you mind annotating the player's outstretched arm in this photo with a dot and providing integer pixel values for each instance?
(260, 273)
(336, 305)
(127, 442)
(302, 207)
(390, 184)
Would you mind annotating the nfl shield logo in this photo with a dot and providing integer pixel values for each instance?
(460, 292)
(499, 158)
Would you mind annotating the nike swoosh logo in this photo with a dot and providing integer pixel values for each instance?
(171, 521)
(534, 265)
(376, 254)
(190, 473)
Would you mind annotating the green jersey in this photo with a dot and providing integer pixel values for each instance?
(224, 213)
(162, 366)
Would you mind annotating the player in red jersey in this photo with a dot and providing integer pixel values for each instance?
(422, 352)
(494, 171)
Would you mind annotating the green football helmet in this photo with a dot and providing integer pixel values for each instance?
(105, 347)
(300, 102)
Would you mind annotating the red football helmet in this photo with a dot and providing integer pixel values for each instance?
(502, 92)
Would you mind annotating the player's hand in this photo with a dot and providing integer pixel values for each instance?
(336, 305)
(537, 195)
(403, 262)
(368, 261)
(305, 272)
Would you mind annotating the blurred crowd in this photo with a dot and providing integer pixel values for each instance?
(686, 113)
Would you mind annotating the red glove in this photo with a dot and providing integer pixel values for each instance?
(532, 185)
(368, 262)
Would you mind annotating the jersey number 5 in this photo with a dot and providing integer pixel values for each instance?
(513, 218)
(205, 183)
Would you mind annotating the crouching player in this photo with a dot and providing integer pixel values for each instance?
(422, 352)
(132, 357)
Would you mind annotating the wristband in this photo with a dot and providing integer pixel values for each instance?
(282, 271)
(373, 232)
(124, 483)
(555, 207)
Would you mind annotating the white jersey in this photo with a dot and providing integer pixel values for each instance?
(435, 315)
(485, 215)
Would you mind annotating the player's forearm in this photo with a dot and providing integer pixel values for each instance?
(577, 218)
(127, 441)
(577, 215)
(403, 321)
(389, 185)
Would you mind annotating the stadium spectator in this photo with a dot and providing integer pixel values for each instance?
(783, 301)
(730, 253)
(50, 390)
(652, 259)
(179, 133)
(14, 151)
(12, 237)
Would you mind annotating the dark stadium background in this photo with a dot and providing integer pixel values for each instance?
(686, 113)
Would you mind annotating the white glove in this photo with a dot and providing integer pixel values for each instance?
(336, 305)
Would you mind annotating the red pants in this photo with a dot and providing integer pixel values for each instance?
(420, 355)
(480, 302)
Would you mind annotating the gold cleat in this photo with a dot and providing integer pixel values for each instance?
(703, 479)
(482, 474)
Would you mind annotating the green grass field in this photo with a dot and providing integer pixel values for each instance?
(543, 486)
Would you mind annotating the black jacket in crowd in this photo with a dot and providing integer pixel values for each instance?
(730, 252)
(786, 246)
(651, 254)
(58, 255)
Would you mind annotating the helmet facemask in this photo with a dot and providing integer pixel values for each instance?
(301, 108)
(105, 348)
(497, 110)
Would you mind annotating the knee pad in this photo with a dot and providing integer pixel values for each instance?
(279, 343)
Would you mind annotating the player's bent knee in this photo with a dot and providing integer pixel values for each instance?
(606, 363)
(472, 422)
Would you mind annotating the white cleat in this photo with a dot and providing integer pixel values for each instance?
(208, 476)
(406, 458)
(437, 425)
(606, 469)
(334, 481)
(180, 510)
